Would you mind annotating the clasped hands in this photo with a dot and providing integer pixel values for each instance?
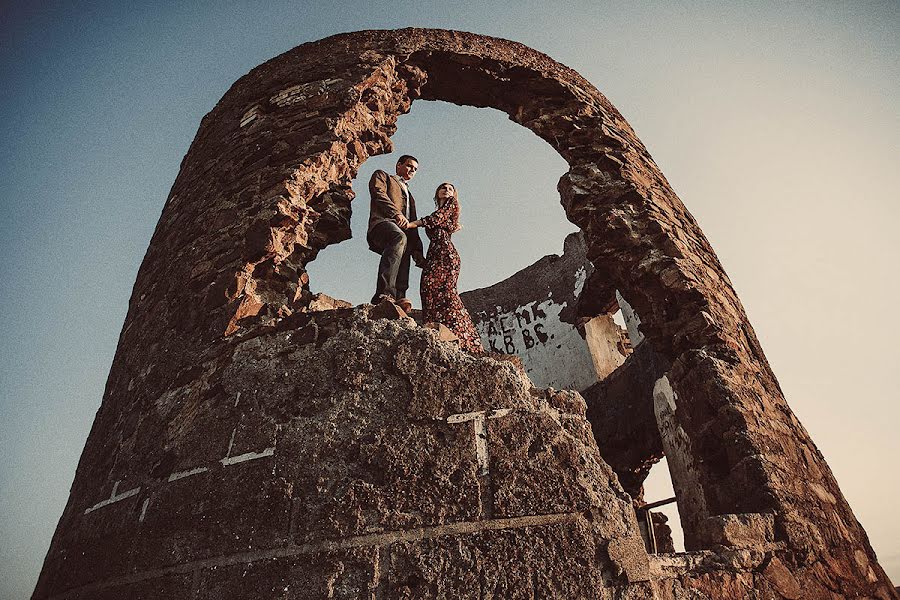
(405, 223)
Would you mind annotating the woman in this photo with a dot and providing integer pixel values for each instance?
(440, 300)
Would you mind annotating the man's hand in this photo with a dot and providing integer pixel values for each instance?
(402, 221)
(419, 259)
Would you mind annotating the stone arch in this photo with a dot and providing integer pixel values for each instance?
(313, 115)
(283, 144)
(265, 185)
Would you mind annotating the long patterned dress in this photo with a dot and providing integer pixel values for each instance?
(440, 299)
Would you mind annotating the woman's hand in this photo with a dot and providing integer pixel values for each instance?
(414, 224)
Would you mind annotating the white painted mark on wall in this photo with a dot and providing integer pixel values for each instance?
(182, 474)
(233, 460)
(580, 279)
(114, 497)
(553, 352)
(231, 442)
(479, 426)
(250, 115)
(470, 416)
(481, 451)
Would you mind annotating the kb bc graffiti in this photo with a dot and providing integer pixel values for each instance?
(517, 332)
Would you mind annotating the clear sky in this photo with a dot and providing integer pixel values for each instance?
(776, 123)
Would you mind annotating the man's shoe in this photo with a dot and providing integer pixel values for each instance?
(405, 304)
(381, 298)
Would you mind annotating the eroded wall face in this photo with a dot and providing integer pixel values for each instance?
(345, 456)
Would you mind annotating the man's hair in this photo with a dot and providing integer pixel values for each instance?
(405, 158)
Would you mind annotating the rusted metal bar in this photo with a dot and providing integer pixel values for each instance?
(658, 503)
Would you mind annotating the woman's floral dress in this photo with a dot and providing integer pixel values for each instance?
(440, 300)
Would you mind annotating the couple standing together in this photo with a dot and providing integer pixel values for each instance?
(394, 234)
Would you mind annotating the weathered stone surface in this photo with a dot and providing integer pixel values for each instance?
(272, 431)
(740, 531)
(552, 561)
(225, 510)
(176, 585)
(782, 580)
(526, 451)
(345, 574)
(324, 302)
(443, 332)
(620, 410)
(364, 445)
(388, 310)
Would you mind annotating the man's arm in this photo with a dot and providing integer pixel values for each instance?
(416, 252)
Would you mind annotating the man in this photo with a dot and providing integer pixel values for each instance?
(391, 210)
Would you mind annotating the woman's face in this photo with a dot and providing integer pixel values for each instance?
(446, 191)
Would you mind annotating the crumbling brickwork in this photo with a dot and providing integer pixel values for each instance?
(248, 447)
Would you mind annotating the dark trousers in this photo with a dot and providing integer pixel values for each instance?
(390, 241)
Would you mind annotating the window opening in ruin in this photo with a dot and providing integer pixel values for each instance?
(506, 177)
(668, 534)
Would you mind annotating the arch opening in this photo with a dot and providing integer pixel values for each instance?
(510, 214)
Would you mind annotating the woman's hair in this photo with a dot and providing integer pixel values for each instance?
(455, 193)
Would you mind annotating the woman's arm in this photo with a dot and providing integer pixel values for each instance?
(445, 217)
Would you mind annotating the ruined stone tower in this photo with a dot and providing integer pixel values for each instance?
(253, 443)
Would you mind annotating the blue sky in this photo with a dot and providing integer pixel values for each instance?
(775, 123)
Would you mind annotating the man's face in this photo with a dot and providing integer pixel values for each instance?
(407, 169)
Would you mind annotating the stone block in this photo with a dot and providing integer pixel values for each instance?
(536, 467)
(175, 586)
(443, 332)
(749, 530)
(558, 560)
(630, 557)
(387, 310)
(782, 580)
(380, 473)
(339, 575)
(321, 302)
(228, 509)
